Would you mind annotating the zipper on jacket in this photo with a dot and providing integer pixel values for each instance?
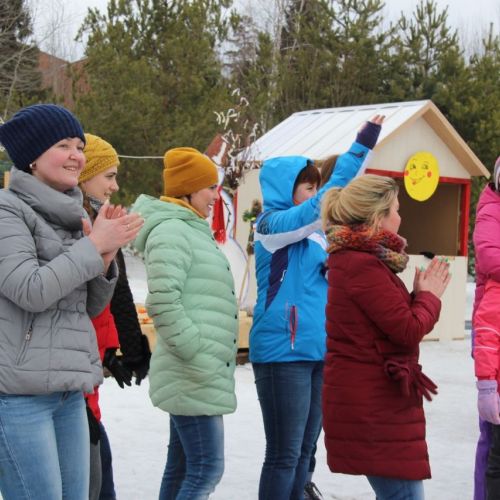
(292, 325)
(27, 338)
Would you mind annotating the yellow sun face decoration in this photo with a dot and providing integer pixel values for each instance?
(421, 176)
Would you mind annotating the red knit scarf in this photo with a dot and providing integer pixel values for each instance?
(388, 247)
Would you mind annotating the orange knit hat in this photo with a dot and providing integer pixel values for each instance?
(187, 171)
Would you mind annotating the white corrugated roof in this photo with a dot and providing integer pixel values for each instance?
(322, 132)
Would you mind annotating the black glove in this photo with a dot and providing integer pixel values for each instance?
(141, 371)
(113, 363)
(94, 430)
(140, 368)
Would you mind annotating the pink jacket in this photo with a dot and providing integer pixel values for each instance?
(487, 240)
(486, 322)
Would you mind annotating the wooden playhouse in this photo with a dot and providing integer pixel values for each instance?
(414, 135)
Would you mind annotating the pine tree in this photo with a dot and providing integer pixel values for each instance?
(427, 53)
(155, 80)
(330, 53)
(19, 78)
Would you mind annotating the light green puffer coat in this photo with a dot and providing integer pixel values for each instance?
(192, 303)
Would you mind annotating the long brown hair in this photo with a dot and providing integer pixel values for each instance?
(326, 167)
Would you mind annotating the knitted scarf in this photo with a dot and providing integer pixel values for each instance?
(388, 247)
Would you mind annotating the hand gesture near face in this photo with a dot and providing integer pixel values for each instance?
(434, 279)
(113, 228)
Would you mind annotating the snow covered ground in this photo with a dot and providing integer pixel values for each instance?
(139, 432)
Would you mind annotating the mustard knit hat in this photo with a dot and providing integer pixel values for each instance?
(187, 171)
(100, 156)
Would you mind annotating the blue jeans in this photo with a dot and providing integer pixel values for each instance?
(195, 459)
(107, 485)
(44, 447)
(290, 400)
(387, 488)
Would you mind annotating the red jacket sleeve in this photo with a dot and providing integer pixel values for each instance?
(384, 299)
(486, 323)
(105, 329)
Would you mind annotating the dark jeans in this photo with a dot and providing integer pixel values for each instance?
(195, 459)
(290, 400)
(95, 472)
(108, 485)
(481, 464)
(493, 470)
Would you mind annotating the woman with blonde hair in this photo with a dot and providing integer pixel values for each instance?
(373, 413)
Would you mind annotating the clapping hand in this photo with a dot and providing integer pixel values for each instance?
(434, 279)
(113, 228)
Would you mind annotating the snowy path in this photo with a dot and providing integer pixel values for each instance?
(139, 435)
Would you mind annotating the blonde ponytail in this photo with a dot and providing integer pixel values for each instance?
(329, 205)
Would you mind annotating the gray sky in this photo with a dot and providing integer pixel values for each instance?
(64, 17)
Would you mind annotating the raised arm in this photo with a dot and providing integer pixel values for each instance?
(277, 229)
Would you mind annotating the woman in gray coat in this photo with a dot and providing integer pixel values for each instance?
(56, 272)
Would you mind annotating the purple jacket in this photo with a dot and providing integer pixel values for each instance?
(486, 239)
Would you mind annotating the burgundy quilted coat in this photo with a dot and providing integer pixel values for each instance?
(374, 424)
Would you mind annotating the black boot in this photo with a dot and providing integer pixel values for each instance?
(311, 492)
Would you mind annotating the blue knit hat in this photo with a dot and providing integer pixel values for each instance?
(34, 129)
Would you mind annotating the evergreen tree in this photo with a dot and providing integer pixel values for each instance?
(329, 53)
(19, 77)
(155, 80)
(472, 101)
(426, 53)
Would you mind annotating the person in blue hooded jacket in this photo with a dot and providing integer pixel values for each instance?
(287, 339)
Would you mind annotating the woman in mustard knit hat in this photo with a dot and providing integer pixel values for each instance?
(117, 326)
(193, 305)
